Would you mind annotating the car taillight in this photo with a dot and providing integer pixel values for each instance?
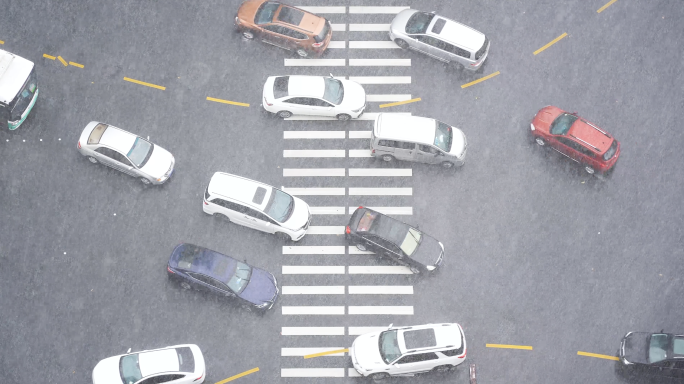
(360, 207)
(205, 203)
(169, 269)
(348, 230)
(199, 377)
(266, 102)
(318, 45)
(237, 20)
(79, 145)
(464, 353)
(373, 151)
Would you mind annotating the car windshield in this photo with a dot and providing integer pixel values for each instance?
(411, 241)
(419, 22)
(265, 12)
(657, 350)
(240, 278)
(389, 346)
(443, 136)
(129, 369)
(23, 99)
(334, 91)
(562, 124)
(140, 152)
(280, 205)
(611, 151)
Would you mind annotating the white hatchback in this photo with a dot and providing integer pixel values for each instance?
(314, 95)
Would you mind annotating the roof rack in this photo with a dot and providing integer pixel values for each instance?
(593, 147)
(596, 128)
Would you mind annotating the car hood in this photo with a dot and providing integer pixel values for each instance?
(107, 371)
(367, 351)
(158, 163)
(636, 347)
(354, 95)
(543, 119)
(428, 251)
(260, 289)
(458, 142)
(300, 215)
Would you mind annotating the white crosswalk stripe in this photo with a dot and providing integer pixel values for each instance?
(359, 134)
(381, 79)
(351, 372)
(336, 44)
(355, 251)
(381, 310)
(380, 191)
(314, 135)
(310, 351)
(340, 27)
(314, 310)
(379, 270)
(304, 172)
(312, 372)
(313, 331)
(313, 153)
(323, 9)
(314, 191)
(355, 331)
(313, 269)
(313, 250)
(376, 9)
(326, 230)
(380, 172)
(373, 45)
(313, 290)
(376, 62)
(369, 27)
(315, 62)
(327, 210)
(360, 153)
(388, 210)
(386, 98)
(380, 290)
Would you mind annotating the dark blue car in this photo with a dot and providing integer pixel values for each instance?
(204, 269)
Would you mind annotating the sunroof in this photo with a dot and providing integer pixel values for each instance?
(420, 338)
(259, 195)
(290, 15)
(439, 24)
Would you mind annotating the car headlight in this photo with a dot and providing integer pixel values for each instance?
(264, 305)
(431, 267)
(532, 127)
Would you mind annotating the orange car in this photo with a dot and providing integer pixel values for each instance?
(284, 26)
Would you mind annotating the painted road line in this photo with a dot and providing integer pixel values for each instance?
(339, 27)
(480, 80)
(322, 352)
(313, 269)
(355, 331)
(376, 10)
(388, 210)
(327, 210)
(374, 115)
(554, 41)
(393, 172)
(312, 331)
(312, 372)
(608, 4)
(508, 346)
(312, 290)
(45, 55)
(393, 97)
(61, 60)
(380, 191)
(351, 372)
(373, 45)
(337, 44)
(377, 62)
(314, 310)
(607, 357)
(353, 250)
(227, 102)
(76, 64)
(2, 42)
(369, 27)
(381, 79)
(380, 290)
(325, 230)
(314, 191)
(313, 153)
(313, 135)
(360, 153)
(315, 62)
(144, 83)
(239, 375)
(381, 310)
(379, 270)
(365, 116)
(359, 134)
(296, 172)
(400, 103)
(324, 9)
(313, 249)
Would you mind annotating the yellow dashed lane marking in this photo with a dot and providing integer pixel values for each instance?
(45, 55)
(76, 64)
(326, 353)
(480, 80)
(508, 346)
(554, 41)
(608, 4)
(607, 357)
(144, 83)
(399, 103)
(239, 375)
(62, 60)
(228, 102)
(2, 42)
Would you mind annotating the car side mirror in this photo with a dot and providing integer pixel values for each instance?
(390, 326)
(331, 76)
(129, 350)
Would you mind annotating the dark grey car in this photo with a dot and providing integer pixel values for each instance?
(660, 354)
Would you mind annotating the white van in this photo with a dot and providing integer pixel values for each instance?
(414, 138)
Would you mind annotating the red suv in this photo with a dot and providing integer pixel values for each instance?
(575, 138)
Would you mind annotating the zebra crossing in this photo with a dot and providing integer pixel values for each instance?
(324, 281)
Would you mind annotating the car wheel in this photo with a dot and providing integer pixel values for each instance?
(283, 236)
(93, 160)
(185, 285)
(447, 164)
(387, 158)
(360, 247)
(589, 170)
(414, 270)
(379, 376)
(443, 368)
(302, 53)
(401, 43)
(248, 35)
(284, 114)
(222, 217)
(343, 117)
(540, 141)
(145, 181)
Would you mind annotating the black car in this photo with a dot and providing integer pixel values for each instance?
(371, 230)
(204, 269)
(659, 354)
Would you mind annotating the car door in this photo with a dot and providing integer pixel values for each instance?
(297, 105)
(250, 217)
(389, 250)
(428, 154)
(320, 107)
(678, 369)
(404, 150)
(567, 148)
(105, 156)
(432, 46)
(370, 241)
(274, 34)
(163, 378)
(125, 165)
(415, 363)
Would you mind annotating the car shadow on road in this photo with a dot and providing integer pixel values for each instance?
(630, 377)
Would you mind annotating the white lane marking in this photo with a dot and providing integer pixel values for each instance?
(313, 153)
(360, 153)
(313, 290)
(381, 79)
(388, 97)
(377, 9)
(355, 331)
(379, 270)
(296, 172)
(341, 27)
(388, 210)
(340, 44)
(313, 331)
(316, 62)
(359, 134)
(380, 191)
(313, 250)
(311, 372)
(381, 290)
(380, 172)
(314, 191)
(313, 270)
(375, 62)
(351, 372)
(310, 351)
(327, 210)
(373, 45)
(325, 230)
(314, 9)
(313, 135)
(369, 27)
(355, 251)
(315, 310)
(364, 117)
(381, 310)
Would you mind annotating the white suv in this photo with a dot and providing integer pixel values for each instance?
(405, 351)
(256, 205)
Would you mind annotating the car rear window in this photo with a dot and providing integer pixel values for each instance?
(324, 32)
(420, 338)
(264, 14)
(366, 221)
(290, 15)
(97, 133)
(482, 50)
(280, 86)
(562, 124)
(611, 151)
(186, 360)
(418, 23)
(188, 256)
(437, 28)
(206, 194)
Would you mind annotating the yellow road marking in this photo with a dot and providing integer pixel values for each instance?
(607, 357)
(45, 55)
(2, 42)
(480, 80)
(62, 60)
(554, 41)
(76, 64)
(399, 103)
(144, 83)
(326, 353)
(508, 346)
(608, 4)
(228, 102)
(239, 375)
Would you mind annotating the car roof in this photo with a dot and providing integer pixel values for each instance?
(239, 188)
(590, 134)
(298, 17)
(405, 128)
(117, 138)
(458, 34)
(163, 360)
(14, 70)
(444, 335)
(306, 86)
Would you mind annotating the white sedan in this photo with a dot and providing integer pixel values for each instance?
(179, 364)
(315, 96)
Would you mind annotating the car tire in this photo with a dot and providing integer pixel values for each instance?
(302, 52)
(401, 43)
(589, 170)
(447, 164)
(414, 270)
(284, 114)
(185, 285)
(387, 158)
(145, 181)
(283, 236)
(343, 117)
(92, 160)
(443, 368)
(361, 247)
(379, 376)
(540, 141)
(222, 217)
(249, 35)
